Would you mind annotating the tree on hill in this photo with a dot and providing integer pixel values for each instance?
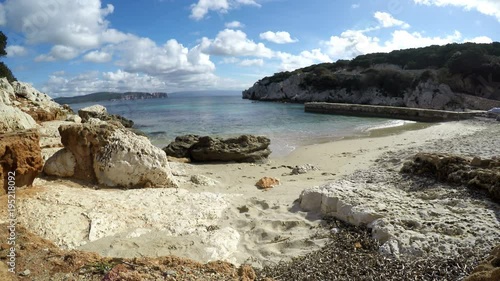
(4, 70)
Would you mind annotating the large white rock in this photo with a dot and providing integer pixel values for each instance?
(61, 164)
(404, 222)
(131, 160)
(6, 92)
(13, 119)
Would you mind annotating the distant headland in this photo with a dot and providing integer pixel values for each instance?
(110, 96)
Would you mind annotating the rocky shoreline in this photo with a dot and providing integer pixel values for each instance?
(114, 187)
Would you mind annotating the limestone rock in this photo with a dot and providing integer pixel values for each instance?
(489, 270)
(61, 164)
(426, 94)
(179, 148)
(267, 183)
(20, 153)
(407, 222)
(13, 119)
(74, 118)
(6, 92)
(475, 173)
(113, 156)
(100, 112)
(303, 169)
(203, 180)
(38, 105)
(246, 148)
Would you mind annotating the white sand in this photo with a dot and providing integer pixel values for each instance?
(232, 220)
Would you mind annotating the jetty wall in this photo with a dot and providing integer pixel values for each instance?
(392, 112)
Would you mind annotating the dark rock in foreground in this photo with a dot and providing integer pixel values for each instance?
(474, 173)
(245, 148)
(180, 147)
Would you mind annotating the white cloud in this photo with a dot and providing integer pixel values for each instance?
(59, 52)
(16, 51)
(487, 7)
(305, 58)
(352, 43)
(355, 6)
(234, 24)
(98, 57)
(173, 59)
(387, 20)
(252, 62)
(480, 40)
(280, 37)
(200, 9)
(60, 84)
(234, 43)
(73, 26)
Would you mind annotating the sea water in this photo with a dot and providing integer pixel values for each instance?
(226, 114)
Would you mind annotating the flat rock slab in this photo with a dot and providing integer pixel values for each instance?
(409, 223)
(75, 218)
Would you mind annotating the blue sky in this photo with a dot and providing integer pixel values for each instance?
(74, 47)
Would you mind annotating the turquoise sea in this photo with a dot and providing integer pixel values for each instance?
(227, 114)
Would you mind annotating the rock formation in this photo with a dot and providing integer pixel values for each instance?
(489, 270)
(29, 100)
(179, 148)
(20, 153)
(100, 112)
(13, 119)
(267, 183)
(474, 173)
(110, 155)
(245, 148)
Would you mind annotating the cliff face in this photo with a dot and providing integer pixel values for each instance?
(451, 77)
(429, 93)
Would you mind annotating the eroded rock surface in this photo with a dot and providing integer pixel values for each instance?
(245, 148)
(100, 112)
(179, 148)
(408, 223)
(20, 153)
(13, 119)
(110, 155)
(474, 173)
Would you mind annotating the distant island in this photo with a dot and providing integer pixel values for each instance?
(110, 96)
(451, 77)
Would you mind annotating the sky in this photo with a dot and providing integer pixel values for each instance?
(75, 47)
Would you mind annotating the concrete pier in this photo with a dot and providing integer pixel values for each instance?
(392, 112)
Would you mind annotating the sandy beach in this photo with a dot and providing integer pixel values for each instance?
(227, 217)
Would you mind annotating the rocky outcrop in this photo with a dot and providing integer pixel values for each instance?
(20, 153)
(408, 223)
(179, 148)
(13, 119)
(110, 155)
(474, 173)
(38, 105)
(100, 112)
(489, 270)
(245, 148)
(429, 94)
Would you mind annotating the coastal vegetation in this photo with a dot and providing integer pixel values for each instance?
(463, 67)
(4, 70)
